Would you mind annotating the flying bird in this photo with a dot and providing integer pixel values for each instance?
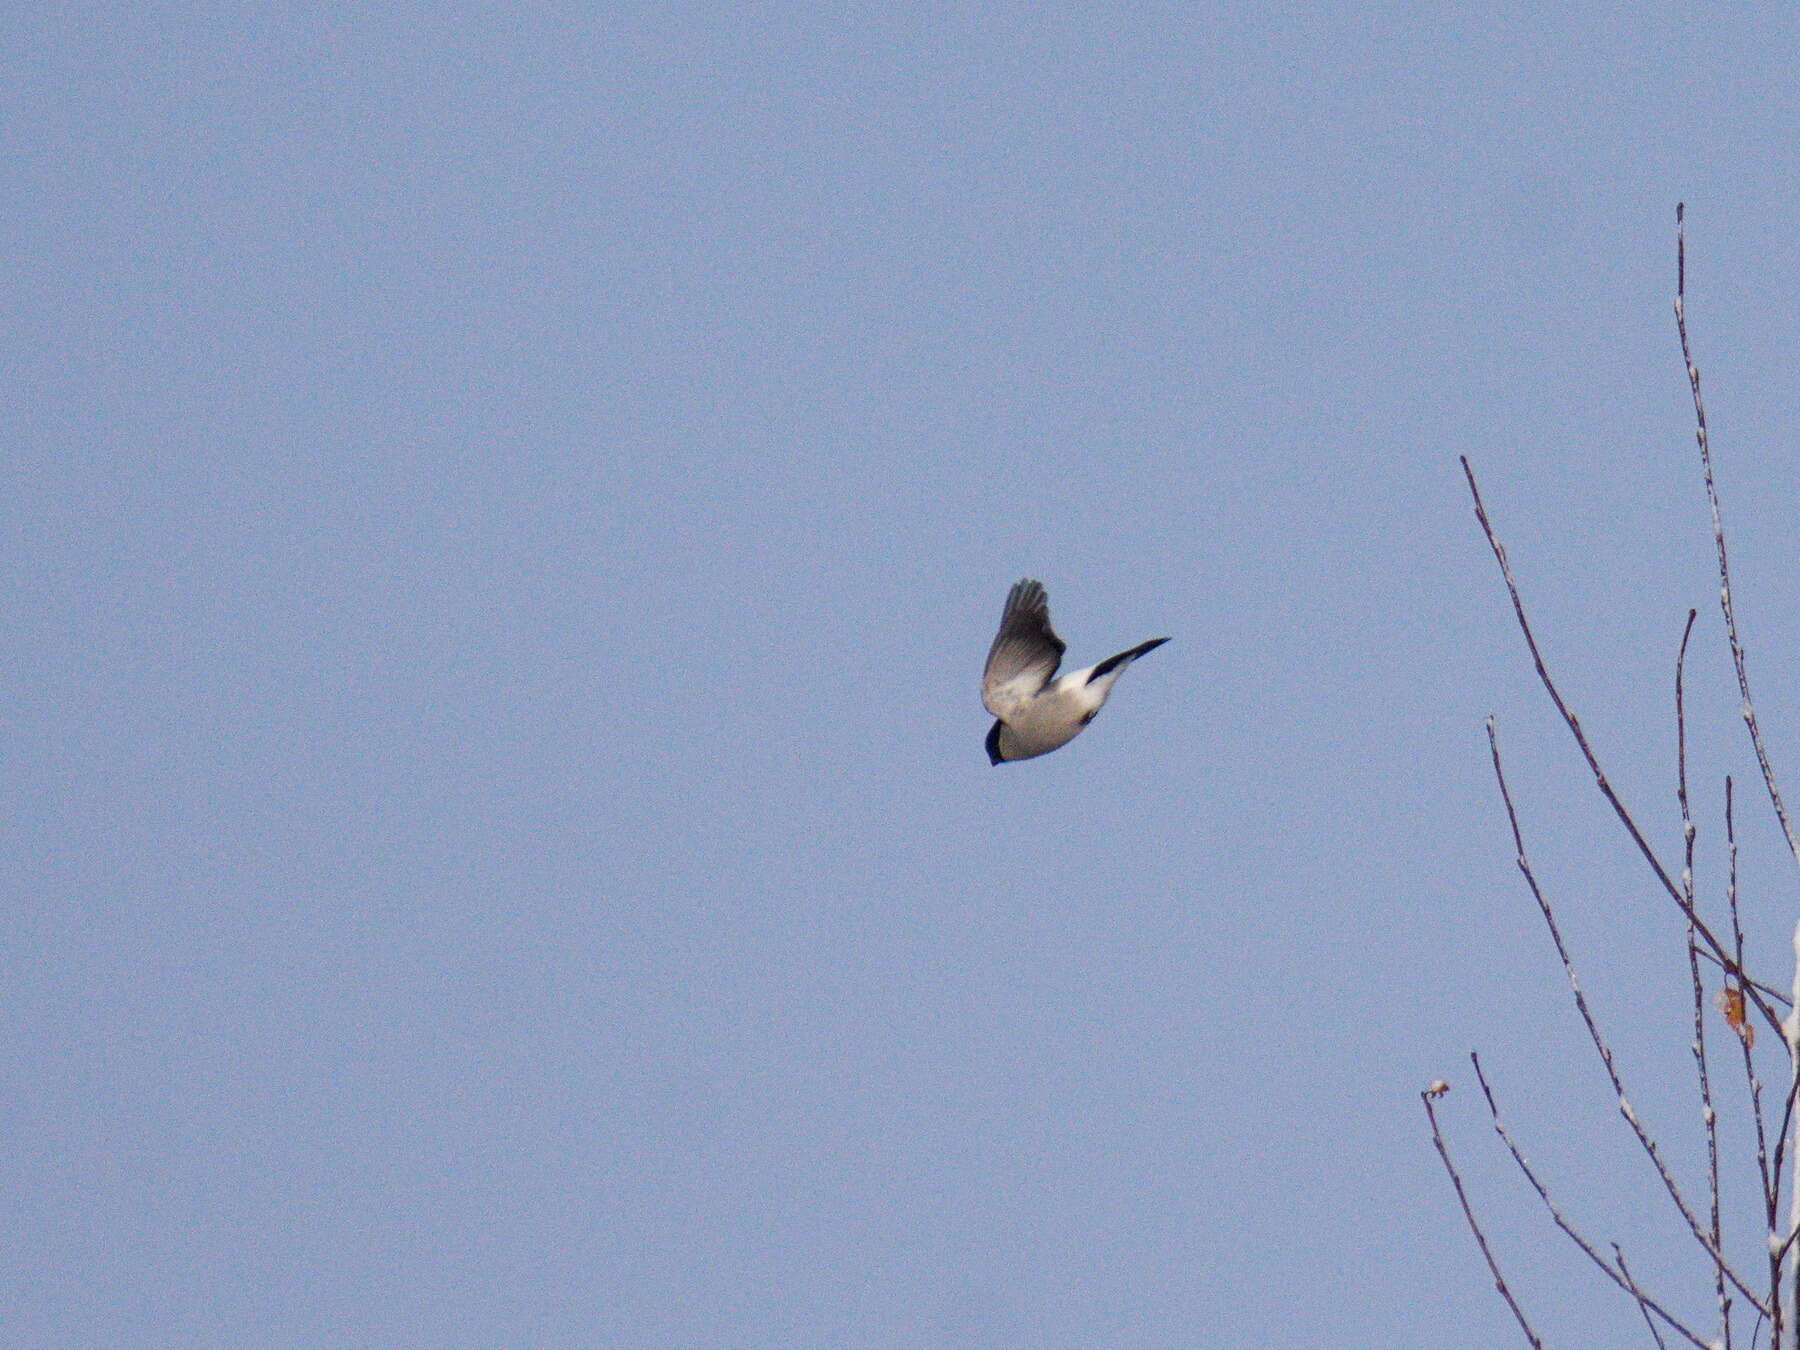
(1034, 711)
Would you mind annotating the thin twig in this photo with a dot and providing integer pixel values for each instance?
(1437, 1137)
(1762, 987)
(1786, 1245)
(1716, 948)
(1770, 1196)
(1790, 1033)
(1615, 1274)
(1787, 1116)
(1770, 1180)
(1712, 497)
(1642, 1302)
(1708, 1116)
(1645, 1141)
(1792, 1037)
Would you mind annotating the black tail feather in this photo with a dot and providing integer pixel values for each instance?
(993, 743)
(1114, 662)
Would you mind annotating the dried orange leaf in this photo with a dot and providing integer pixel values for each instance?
(1730, 1001)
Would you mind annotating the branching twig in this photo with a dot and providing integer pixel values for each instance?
(1645, 1141)
(1769, 1188)
(1792, 1037)
(1790, 1032)
(1769, 1179)
(1437, 1137)
(1712, 497)
(1714, 946)
(1708, 1116)
(1642, 1302)
(1777, 1148)
(1781, 1135)
(1617, 1275)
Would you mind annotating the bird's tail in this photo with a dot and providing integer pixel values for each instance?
(1123, 659)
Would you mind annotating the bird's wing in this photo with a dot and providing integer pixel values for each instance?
(1025, 653)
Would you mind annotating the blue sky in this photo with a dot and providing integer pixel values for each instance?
(509, 505)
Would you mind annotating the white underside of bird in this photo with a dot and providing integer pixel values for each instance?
(1036, 710)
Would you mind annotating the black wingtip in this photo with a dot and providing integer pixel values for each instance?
(993, 744)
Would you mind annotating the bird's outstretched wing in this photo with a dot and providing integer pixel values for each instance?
(1026, 652)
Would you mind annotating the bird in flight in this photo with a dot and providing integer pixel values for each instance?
(1034, 711)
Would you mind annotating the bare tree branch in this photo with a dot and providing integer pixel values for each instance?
(1642, 1302)
(1708, 1116)
(1792, 1036)
(1747, 1041)
(1714, 946)
(1712, 497)
(1645, 1141)
(1744, 1001)
(1462, 1197)
(1791, 1030)
(1769, 1179)
(1781, 1135)
(1617, 1275)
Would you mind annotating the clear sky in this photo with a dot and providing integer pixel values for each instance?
(507, 508)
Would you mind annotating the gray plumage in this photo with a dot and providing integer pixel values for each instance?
(1036, 712)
